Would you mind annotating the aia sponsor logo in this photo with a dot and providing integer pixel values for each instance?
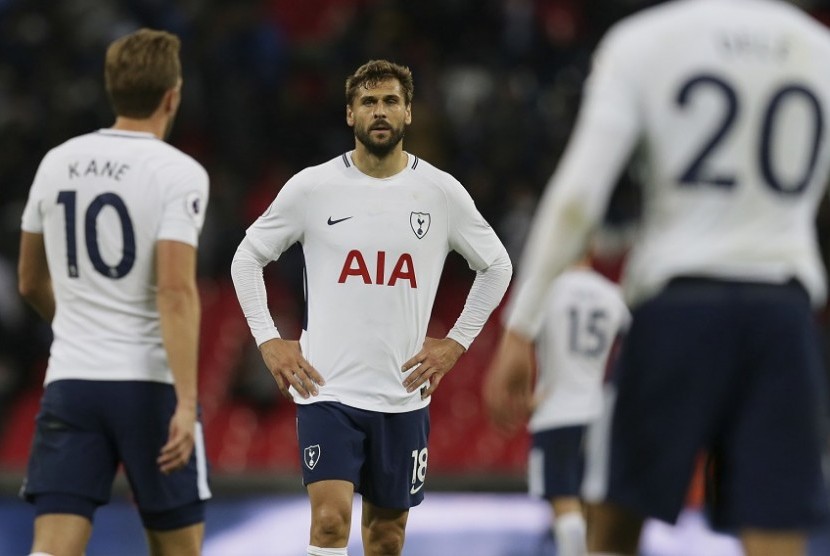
(382, 272)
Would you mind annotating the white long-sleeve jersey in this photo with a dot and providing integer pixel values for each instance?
(730, 102)
(374, 251)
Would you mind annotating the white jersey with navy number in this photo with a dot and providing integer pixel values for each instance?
(729, 101)
(102, 201)
(584, 313)
(374, 250)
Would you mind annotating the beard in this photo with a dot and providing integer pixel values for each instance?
(377, 148)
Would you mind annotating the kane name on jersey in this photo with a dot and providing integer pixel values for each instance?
(101, 169)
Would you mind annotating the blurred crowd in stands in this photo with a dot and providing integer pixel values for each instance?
(497, 86)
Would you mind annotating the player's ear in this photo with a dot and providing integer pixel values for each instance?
(172, 98)
(349, 115)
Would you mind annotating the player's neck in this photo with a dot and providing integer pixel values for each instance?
(379, 167)
(584, 262)
(148, 125)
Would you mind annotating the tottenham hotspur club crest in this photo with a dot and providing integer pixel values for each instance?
(311, 455)
(420, 223)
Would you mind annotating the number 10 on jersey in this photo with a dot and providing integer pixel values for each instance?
(69, 201)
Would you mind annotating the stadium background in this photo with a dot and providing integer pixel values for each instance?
(497, 86)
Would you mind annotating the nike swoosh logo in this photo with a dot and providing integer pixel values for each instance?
(338, 220)
(415, 489)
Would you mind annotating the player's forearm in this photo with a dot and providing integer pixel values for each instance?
(34, 281)
(573, 205)
(558, 237)
(40, 297)
(485, 294)
(180, 311)
(246, 271)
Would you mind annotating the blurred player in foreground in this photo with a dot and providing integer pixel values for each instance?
(728, 100)
(108, 256)
(375, 225)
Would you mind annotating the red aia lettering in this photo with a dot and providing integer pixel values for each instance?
(355, 265)
(404, 270)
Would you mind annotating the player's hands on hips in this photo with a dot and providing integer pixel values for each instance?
(176, 452)
(429, 365)
(507, 384)
(289, 368)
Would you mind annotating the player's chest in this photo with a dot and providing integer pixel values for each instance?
(388, 218)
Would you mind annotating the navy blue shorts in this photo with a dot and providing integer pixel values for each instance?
(383, 454)
(734, 371)
(86, 429)
(557, 462)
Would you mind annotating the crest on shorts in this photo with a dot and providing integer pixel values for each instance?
(311, 455)
(420, 223)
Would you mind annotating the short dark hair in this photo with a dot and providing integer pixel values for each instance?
(374, 71)
(138, 70)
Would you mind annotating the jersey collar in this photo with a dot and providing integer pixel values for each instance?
(128, 134)
(411, 163)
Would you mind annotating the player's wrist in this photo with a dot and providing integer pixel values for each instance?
(262, 337)
(457, 346)
(188, 403)
(462, 341)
